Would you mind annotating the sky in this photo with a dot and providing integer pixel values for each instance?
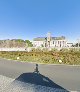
(27, 19)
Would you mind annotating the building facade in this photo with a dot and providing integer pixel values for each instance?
(50, 41)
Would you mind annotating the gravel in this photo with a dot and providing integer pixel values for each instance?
(10, 85)
(4, 82)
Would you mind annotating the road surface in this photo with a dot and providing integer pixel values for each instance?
(58, 76)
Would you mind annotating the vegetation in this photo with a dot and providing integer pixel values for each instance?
(29, 43)
(15, 43)
(76, 45)
(71, 57)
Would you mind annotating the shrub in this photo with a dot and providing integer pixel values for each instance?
(67, 57)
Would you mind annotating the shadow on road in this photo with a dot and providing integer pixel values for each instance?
(38, 79)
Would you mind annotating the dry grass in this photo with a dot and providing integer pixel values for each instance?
(52, 57)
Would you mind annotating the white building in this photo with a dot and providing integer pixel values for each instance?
(50, 41)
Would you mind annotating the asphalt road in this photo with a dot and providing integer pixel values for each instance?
(63, 76)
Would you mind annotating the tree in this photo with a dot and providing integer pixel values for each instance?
(29, 43)
(76, 45)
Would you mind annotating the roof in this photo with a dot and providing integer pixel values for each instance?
(39, 39)
(52, 38)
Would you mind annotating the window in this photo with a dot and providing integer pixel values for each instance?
(58, 42)
(53, 42)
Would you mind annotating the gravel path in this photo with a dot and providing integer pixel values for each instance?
(4, 82)
(9, 85)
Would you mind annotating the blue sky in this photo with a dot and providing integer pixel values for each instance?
(26, 19)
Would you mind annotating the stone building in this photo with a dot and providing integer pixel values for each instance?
(50, 41)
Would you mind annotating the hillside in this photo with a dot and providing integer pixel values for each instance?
(13, 43)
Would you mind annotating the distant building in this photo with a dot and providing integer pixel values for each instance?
(69, 44)
(50, 41)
